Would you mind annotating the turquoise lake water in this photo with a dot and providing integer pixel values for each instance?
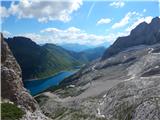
(37, 86)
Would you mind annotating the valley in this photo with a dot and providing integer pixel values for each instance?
(107, 89)
(80, 60)
(39, 62)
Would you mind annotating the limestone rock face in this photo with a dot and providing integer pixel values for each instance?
(11, 80)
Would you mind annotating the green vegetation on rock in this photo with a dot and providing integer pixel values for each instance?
(10, 112)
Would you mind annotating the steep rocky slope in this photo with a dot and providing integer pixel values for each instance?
(12, 86)
(123, 86)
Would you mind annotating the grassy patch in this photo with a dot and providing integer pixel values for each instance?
(10, 112)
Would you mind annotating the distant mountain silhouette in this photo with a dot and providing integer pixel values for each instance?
(75, 47)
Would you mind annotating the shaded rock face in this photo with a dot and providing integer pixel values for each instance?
(143, 34)
(11, 80)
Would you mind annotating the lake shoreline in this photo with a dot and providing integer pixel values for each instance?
(38, 86)
(37, 79)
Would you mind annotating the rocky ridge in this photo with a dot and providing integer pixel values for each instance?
(143, 34)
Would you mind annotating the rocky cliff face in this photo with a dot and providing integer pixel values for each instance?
(123, 86)
(12, 86)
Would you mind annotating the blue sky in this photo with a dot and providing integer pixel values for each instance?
(84, 22)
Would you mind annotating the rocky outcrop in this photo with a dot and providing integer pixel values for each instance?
(12, 86)
(143, 34)
(138, 97)
(11, 80)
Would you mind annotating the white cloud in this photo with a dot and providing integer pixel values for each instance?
(104, 21)
(45, 11)
(147, 19)
(124, 21)
(70, 30)
(70, 35)
(117, 4)
(3, 12)
(131, 19)
(112, 37)
(6, 33)
(38, 38)
(73, 35)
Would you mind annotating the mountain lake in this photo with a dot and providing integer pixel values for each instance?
(37, 86)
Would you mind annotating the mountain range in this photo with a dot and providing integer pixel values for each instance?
(75, 47)
(123, 85)
(143, 34)
(39, 61)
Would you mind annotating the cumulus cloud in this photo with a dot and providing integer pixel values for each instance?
(45, 11)
(129, 22)
(103, 21)
(74, 35)
(124, 21)
(38, 38)
(70, 30)
(117, 4)
(3, 12)
(69, 35)
(147, 19)
(111, 38)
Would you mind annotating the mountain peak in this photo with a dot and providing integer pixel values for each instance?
(155, 23)
(143, 34)
(155, 20)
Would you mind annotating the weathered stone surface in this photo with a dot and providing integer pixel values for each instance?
(12, 86)
(11, 80)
